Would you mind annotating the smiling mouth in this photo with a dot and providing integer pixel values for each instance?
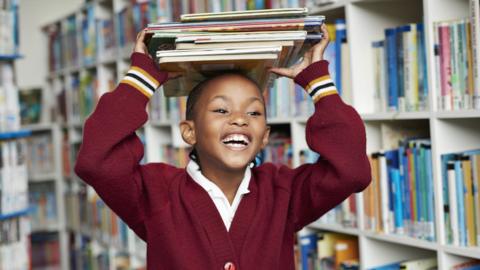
(236, 141)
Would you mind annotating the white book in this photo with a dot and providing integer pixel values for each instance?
(410, 67)
(452, 201)
(475, 24)
(229, 51)
(242, 36)
(384, 194)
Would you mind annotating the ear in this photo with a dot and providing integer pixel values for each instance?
(187, 129)
(266, 135)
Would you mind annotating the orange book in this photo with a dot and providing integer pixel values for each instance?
(346, 250)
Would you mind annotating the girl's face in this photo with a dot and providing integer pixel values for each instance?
(229, 123)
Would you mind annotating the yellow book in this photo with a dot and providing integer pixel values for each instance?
(468, 199)
(470, 84)
(375, 195)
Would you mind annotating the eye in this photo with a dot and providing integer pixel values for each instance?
(222, 111)
(255, 113)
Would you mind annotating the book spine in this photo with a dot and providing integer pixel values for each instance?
(463, 64)
(411, 68)
(476, 185)
(453, 203)
(384, 194)
(470, 80)
(423, 102)
(457, 93)
(468, 200)
(430, 196)
(400, 55)
(445, 66)
(390, 46)
(475, 28)
(460, 202)
(340, 35)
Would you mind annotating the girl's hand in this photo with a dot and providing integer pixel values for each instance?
(141, 47)
(313, 55)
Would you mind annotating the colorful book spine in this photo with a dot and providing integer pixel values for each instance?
(462, 179)
(400, 199)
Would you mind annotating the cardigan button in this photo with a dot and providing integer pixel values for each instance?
(229, 266)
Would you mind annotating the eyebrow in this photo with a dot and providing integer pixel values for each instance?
(250, 100)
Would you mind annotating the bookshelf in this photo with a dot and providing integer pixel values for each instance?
(79, 76)
(14, 205)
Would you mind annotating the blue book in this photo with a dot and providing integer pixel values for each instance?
(340, 36)
(422, 68)
(408, 189)
(418, 194)
(392, 266)
(391, 53)
(460, 204)
(398, 205)
(308, 249)
(392, 163)
(400, 63)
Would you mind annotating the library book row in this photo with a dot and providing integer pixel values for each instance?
(386, 232)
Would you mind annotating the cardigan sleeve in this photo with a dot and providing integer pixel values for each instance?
(110, 152)
(336, 132)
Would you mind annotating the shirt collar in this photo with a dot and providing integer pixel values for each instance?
(194, 171)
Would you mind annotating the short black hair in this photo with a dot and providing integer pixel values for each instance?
(196, 92)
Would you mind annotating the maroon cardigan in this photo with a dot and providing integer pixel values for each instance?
(178, 219)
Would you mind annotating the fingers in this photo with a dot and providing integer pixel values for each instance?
(141, 35)
(319, 49)
(282, 72)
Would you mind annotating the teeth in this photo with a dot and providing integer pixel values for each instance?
(236, 138)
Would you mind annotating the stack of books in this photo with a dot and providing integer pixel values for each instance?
(249, 42)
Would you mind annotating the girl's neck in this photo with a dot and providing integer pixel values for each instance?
(227, 180)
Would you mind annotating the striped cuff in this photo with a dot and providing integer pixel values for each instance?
(321, 87)
(316, 80)
(139, 79)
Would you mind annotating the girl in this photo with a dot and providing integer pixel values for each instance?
(219, 213)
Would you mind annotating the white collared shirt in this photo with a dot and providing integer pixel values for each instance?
(227, 211)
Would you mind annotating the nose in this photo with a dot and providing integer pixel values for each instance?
(239, 119)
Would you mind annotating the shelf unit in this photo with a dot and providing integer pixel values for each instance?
(449, 131)
(15, 210)
(365, 22)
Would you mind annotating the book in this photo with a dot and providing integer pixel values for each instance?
(244, 14)
(197, 68)
(421, 264)
(30, 105)
(475, 41)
